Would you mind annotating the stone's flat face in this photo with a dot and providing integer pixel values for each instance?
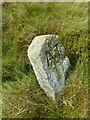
(49, 63)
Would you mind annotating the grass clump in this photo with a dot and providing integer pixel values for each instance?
(22, 96)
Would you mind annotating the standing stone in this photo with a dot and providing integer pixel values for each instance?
(49, 63)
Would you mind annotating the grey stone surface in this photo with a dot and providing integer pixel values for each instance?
(49, 62)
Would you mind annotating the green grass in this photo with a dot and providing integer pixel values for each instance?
(22, 95)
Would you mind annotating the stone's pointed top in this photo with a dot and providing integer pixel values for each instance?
(45, 36)
(49, 63)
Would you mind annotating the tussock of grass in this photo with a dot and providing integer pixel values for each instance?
(26, 99)
(22, 95)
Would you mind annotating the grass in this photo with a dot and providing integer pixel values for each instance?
(22, 95)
